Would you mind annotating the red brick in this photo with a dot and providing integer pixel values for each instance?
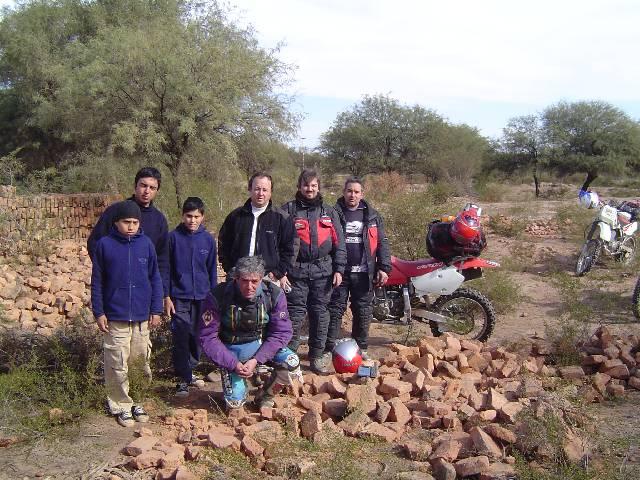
(485, 445)
(399, 412)
(140, 445)
(150, 458)
(310, 424)
(471, 466)
(251, 448)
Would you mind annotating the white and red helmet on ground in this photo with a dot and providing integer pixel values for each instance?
(346, 356)
(466, 226)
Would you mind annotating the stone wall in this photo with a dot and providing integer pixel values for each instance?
(61, 216)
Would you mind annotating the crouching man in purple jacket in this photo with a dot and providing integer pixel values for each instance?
(245, 323)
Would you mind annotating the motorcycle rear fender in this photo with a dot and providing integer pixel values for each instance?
(442, 282)
(476, 262)
(630, 229)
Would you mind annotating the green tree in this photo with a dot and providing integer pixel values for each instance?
(366, 139)
(33, 37)
(590, 136)
(174, 81)
(381, 135)
(10, 168)
(457, 152)
(522, 147)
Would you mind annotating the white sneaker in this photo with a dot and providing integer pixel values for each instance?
(125, 419)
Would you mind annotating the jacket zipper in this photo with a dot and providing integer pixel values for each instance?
(193, 266)
(130, 287)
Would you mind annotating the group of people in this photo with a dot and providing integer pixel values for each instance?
(306, 258)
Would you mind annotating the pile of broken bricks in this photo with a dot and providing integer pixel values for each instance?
(541, 228)
(466, 394)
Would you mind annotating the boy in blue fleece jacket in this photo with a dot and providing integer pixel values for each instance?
(126, 299)
(193, 273)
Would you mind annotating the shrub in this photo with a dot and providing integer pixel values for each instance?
(504, 293)
(490, 191)
(570, 332)
(382, 187)
(406, 218)
(511, 227)
(574, 219)
(40, 373)
(441, 192)
(556, 191)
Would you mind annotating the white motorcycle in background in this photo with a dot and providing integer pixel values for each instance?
(612, 230)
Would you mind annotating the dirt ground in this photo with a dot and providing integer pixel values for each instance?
(88, 450)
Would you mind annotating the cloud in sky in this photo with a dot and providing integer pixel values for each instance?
(474, 62)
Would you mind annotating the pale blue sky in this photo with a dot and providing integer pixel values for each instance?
(474, 62)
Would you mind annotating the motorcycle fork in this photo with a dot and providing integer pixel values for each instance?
(407, 312)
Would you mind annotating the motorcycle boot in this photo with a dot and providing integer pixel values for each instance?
(319, 365)
(265, 397)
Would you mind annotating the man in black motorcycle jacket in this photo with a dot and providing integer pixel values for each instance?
(318, 266)
(258, 228)
(368, 264)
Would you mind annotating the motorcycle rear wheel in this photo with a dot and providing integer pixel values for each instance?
(626, 257)
(635, 300)
(588, 256)
(471, 315)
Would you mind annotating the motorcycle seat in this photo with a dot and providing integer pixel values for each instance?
(624, 218)
(413, 268)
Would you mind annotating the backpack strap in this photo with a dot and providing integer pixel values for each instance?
(224, 296)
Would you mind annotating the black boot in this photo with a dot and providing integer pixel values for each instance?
(320, 365)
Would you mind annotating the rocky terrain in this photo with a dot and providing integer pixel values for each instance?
(446, 408)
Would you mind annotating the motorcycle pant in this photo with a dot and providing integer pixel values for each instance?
(310, 296)
(286, 365)
(357, 288)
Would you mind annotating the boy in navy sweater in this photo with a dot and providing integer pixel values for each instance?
(126, 299)
(193, 273)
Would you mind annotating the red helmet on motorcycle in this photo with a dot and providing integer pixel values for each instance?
(465, 227)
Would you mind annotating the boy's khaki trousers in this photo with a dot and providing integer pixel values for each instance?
(126, 342)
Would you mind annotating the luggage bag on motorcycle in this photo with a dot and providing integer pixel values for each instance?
(631, 207)
(442, 246)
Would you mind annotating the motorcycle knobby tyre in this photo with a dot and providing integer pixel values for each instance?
(627, 257)
(588, 256)
(489, 320)
(635, 300)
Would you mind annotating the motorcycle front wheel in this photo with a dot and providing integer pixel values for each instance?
(635, 300)
(470, 315)
(588, 256)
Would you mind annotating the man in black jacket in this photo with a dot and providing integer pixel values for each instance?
(318, 267)
(258, 228)
(368, 264)
(153, 222)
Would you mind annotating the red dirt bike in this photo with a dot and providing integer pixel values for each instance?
(408, 293)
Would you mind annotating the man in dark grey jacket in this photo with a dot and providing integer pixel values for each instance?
(368, 264)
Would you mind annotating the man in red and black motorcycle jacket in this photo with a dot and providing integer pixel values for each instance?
(318, 267)
(368, 264)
